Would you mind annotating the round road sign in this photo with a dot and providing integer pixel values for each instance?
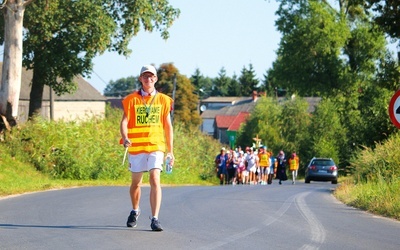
(394, 109)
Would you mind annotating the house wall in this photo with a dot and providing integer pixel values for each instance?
(78, 110)
(66, 110)
(222, 136)
(207, 126)
(23, 109)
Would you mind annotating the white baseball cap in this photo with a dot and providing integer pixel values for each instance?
(148, 68)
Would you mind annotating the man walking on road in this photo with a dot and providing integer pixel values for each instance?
(147, 132)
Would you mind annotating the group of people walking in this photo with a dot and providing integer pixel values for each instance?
(254, 167)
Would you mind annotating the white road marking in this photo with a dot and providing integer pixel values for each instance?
(318, 233)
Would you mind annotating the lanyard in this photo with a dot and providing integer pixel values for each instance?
(144, 103)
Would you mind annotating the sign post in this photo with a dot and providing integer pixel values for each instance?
(394, 109)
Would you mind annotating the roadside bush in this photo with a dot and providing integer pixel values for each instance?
(375, 181)
(78, 150)
(380, 163)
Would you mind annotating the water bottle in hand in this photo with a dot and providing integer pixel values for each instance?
(168, 166)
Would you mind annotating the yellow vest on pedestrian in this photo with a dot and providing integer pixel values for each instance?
(294, 163)
(146, 122)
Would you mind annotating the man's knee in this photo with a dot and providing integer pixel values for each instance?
(155, 177)
(135, 185)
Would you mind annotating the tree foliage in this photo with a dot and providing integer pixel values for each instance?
(62, 37)
(221, 84)
(248, 81)
(265, 122)
(186, 109)
(295, 121)
(234, 87)
(122, 86)
(388, 15)
(308, 59)
(280, 124)
(327, 135)
(203, 85)
(340, 53)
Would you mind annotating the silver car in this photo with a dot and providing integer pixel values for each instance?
(321, 169)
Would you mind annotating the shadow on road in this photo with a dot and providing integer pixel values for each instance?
(16, 226)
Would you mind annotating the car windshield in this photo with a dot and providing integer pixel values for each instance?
(323, 163)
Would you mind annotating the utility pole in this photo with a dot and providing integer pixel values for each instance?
(51, 103)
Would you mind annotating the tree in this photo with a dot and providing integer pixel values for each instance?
(122, 86)
(308, 59)
(234, 86)
(248, 81)
(388, 73)
(327, 135)
(186, 101)
(202, 85)
(269, 84)
(338, 53)
(62, 37)
(295, 119)
(11, 37)
(388, 15)
(364, 48)
(221, 84)
(266, 123)
(265, 85)
(376, 125)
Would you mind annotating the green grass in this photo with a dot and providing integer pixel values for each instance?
(375, 181)
(378, 198)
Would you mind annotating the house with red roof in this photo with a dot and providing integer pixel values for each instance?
(222, 123)
(227, 126)
(222, 116)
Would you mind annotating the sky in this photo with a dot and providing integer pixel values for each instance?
(208, 35)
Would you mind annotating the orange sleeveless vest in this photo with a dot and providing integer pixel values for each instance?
(264, 159)
(294, 163)
(146, 122)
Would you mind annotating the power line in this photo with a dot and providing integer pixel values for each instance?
(100, 77)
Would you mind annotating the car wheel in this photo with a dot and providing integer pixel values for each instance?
(307, 180)
(334, 182)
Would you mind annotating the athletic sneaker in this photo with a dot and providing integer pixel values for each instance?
(132, 219)
(155, 225)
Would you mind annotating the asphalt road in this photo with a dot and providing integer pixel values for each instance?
(301, 216)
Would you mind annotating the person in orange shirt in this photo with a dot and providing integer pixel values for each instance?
(294, 163)
(264, 162)
(147, 133)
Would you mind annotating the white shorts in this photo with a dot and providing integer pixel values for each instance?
(146, 161)
(252, 169)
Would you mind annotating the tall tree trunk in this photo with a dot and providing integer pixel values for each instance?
(36, 96)
(10, 85)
